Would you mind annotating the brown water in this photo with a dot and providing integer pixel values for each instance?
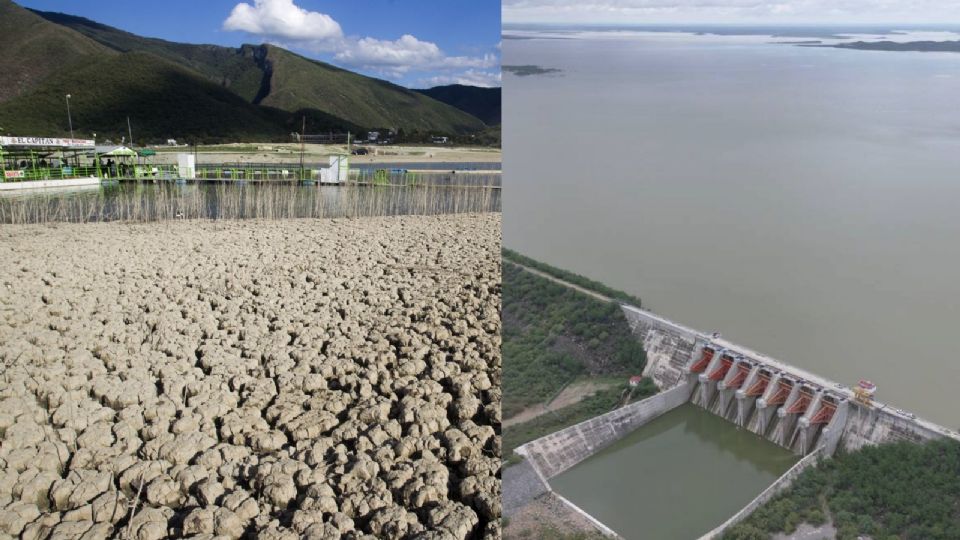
(803, 201)
(676, 477)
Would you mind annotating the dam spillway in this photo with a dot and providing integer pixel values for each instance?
(794, 409)
(780, 402)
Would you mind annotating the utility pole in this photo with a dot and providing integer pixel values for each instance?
(129, 131)
(69, 118)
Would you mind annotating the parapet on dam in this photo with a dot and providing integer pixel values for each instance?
(800, 411)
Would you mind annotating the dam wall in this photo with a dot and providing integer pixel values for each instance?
(805, 413)
(552, 454)
(782, 483)
(669, 346)
(796, 409)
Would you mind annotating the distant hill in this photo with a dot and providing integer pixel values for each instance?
(921, 46)
(163, 100)
(297, 82)
(484, 103)
(33, 48)
(251, 90)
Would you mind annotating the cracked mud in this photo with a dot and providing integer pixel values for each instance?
(289, 379)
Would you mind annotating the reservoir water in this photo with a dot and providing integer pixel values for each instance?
(800, 200)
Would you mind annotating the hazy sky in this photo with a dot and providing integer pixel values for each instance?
(732, 11)
(416, 43)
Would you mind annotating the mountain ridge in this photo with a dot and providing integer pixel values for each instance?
(281, 83)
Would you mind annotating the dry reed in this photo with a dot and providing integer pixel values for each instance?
(145, 202)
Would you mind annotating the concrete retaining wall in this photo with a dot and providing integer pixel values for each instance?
(879, 424)
(669, 346)
(606, 531)
(554, 453)
(781, 484)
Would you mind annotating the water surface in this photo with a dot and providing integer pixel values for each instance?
(678, 476)
(801, 200)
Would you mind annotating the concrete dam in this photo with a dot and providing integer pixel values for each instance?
(797, 410)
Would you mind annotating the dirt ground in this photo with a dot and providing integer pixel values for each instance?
(573, 393)
(545, 518)
(290, 153)
(279, 379)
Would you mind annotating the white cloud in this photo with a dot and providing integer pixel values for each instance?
(284, 23)
(470, 77)
(282, 19)
(406, 53)
(653, 11)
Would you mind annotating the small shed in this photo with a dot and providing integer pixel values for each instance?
(635, 380)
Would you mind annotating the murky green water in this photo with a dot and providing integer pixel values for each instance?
(677, 477)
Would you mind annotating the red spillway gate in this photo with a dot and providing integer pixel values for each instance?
(800, 405)
(722, 370)
(757, 388)
(703, 362)
(781, 395)
(824, 414)
(742, 371)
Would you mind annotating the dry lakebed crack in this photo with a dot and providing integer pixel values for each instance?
(262, 379)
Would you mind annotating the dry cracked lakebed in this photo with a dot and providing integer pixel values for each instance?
(280, 379)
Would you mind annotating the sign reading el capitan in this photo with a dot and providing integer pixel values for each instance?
(46, 141)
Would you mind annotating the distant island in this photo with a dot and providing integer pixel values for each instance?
(524, 71)
(923, 46)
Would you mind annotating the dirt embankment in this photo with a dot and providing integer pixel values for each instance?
(573, 393)
(290, 153)
(548, 517)
(290, 379)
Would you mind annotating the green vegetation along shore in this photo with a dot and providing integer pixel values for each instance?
(899, 491)
(570, 277)
(553, 335)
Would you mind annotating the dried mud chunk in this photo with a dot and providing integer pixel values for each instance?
(70, 530)
(200, 521)
(240, 502)
(394, 522)
(80, 487)
(483, 494)
(341, 382)
(164, 491)
(109, 507)
(209, 491)
(150, 523)
(33, 486)
(455, 518)
(16, 516)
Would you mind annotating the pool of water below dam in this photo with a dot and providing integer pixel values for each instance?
(676, 477)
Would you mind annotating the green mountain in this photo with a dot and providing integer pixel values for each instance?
(162, 99)
(32, 49)
(261, 75)
(484, 103)
(297, 82)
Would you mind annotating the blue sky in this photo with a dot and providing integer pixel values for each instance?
(412, 42)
